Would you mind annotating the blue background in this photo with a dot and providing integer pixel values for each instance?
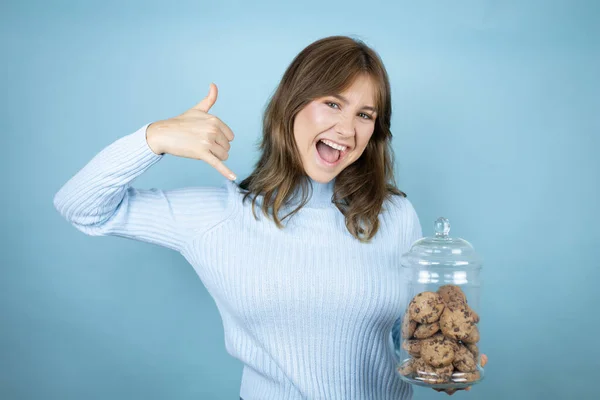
(496, 123)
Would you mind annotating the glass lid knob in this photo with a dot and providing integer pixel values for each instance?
(441, 227)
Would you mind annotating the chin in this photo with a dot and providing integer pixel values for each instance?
(322, 180)
(321, 177)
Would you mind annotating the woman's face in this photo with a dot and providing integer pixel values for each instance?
(346, 120)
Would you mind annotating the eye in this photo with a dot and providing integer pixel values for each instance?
(363, 115)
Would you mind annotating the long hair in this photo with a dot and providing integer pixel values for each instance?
(325, 67)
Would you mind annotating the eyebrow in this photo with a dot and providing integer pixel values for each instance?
(345, 100)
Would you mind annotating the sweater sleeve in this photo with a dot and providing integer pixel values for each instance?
(415, 231)
(99, 200)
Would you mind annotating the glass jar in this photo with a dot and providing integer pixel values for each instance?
(436, 337)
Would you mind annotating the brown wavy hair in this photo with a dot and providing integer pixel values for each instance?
(325, 67)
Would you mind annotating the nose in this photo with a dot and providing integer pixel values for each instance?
(345, 127)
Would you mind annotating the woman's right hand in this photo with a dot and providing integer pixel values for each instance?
(194, 134)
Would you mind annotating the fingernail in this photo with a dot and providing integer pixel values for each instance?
(232, 177)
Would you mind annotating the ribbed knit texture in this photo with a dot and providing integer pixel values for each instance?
(307, 309)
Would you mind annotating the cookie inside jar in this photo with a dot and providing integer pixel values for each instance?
(440, 334)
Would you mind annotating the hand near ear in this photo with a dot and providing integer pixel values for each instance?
(194, 134)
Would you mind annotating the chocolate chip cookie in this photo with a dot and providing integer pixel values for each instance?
(464, 360)
(413, 347)
(475, 315)
(457, 323)
(472, 337)
(408, 327)
(452, 294)
(426, 307)
(473, 349)
(436, 352)
(424, 331)
(407, 368)
(429, 374)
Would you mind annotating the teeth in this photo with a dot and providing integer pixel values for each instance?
(335, 146)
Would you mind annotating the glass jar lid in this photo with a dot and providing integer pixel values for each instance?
(441, 250)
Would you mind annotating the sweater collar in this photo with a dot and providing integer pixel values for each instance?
(322, 193)
(319, 194)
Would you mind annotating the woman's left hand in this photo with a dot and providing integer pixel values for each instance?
(450, 392)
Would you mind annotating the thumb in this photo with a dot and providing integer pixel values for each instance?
(209, 100)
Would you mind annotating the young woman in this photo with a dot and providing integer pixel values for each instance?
(301, 257)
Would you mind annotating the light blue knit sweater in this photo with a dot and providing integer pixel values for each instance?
(307, 309)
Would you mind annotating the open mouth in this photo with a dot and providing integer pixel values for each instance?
(328, 155)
